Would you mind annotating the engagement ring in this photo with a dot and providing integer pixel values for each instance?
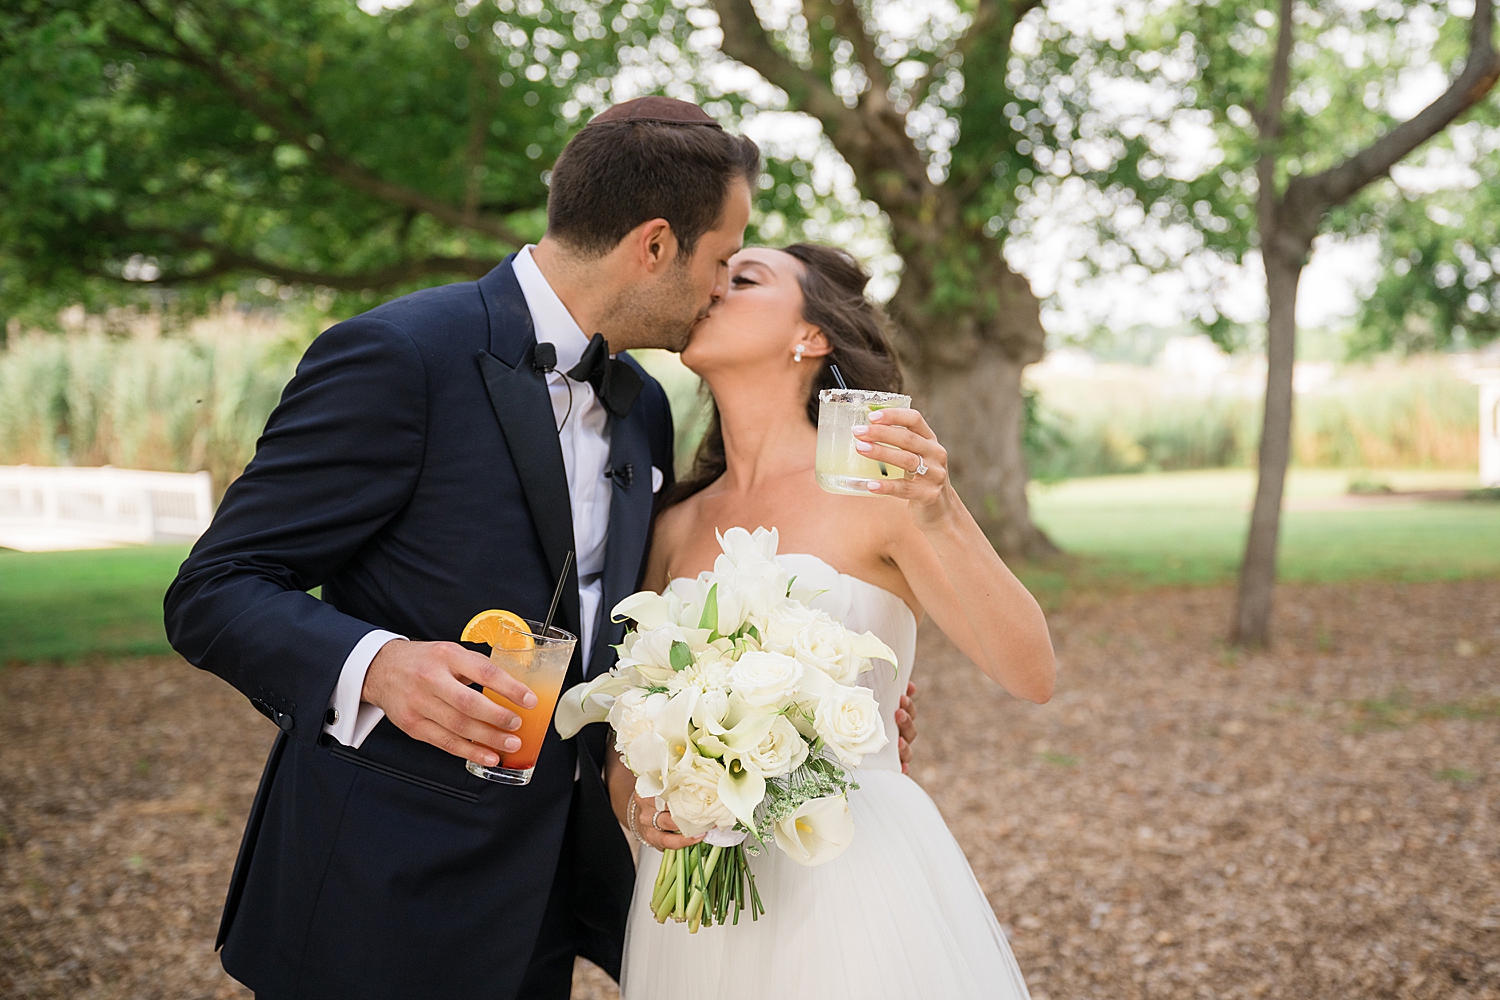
(921, 466)
(654, 817)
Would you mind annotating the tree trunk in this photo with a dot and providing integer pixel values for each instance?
(966, 360)
(1252, 619)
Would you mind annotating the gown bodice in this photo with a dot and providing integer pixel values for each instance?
(864, 607)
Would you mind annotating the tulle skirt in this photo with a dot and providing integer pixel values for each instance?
(897, 916)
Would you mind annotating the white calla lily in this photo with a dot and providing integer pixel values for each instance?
(741, 787)
(647, 609)
(587, 703)
(817, 832)
(870, 646)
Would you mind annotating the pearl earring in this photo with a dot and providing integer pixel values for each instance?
(797, 352)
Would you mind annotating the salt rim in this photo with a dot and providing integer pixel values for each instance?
(861, 396)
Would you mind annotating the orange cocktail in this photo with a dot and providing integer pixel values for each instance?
(540, 661)
(534, 721)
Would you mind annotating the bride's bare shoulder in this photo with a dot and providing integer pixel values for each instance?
(673, 526)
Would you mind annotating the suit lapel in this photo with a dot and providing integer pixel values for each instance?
(629, 526)
(518, 394)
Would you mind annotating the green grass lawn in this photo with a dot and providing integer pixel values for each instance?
(1185, 528)
(67, 605)
(1168, 529)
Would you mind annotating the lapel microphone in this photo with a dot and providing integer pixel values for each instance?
(543, 361)
(623, 476)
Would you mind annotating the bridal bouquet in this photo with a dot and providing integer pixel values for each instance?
(733, 704)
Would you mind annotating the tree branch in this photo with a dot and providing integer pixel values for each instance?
(225, 260)
(1481, 70)
(300, 134)
(746, 40)
(1268, 123)
(850, 22)
(871, 136)
(1269, 128)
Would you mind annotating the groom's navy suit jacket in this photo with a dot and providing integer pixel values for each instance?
(413, 471)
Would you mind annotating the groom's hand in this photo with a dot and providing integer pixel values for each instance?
(423, 688)
(906, 724)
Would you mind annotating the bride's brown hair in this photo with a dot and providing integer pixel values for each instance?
(833, 299)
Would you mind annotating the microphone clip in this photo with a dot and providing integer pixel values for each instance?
(623, 476)
(544, 358)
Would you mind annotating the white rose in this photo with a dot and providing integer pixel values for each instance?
(783, 623)
(817, 640)
(634, 714)
(819, 831)
(765, 679)
(692, 793)
(781, 751)
(827, 645)
(848, 720)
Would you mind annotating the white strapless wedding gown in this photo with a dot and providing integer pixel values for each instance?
(897, 916)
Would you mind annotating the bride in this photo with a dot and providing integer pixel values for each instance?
(898, 915)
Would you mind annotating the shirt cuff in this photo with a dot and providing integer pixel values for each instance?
(350, 720)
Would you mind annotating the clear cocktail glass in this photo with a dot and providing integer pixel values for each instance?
(840, 467)
(541, 668)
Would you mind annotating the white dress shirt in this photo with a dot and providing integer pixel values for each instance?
(584, 436)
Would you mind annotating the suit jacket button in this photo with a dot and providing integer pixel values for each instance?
(285, 721)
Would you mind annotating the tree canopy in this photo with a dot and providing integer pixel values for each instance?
(174, 148)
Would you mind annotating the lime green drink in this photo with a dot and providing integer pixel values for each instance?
(840, 468)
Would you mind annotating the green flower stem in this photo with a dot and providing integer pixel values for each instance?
(665, 876)
(666, 891)
(704, 886)
(679, 910)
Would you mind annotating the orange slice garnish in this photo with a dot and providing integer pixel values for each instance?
(501, 629)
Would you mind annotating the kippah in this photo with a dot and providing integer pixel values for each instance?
(656, 109)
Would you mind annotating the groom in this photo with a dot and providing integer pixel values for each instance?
(432, 458)
(435, 457)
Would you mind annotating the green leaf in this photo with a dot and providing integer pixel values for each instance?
(710, 617)
(681, 655)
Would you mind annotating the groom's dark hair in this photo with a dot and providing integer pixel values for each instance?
(649, 159)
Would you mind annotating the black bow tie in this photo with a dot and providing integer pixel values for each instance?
(615, 383)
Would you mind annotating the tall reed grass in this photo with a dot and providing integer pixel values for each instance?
(1412, 414)
(181, 404)
(200, 400)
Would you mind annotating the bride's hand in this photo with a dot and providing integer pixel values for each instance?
(653, 826)
(657, 828)
(901, 437)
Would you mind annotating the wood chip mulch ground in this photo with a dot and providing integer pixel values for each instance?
(1180, 821)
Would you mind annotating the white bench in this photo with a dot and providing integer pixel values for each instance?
(1488, 380)
(44, 508)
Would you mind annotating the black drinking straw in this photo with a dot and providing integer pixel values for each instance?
(838, 377)
(562, 581)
